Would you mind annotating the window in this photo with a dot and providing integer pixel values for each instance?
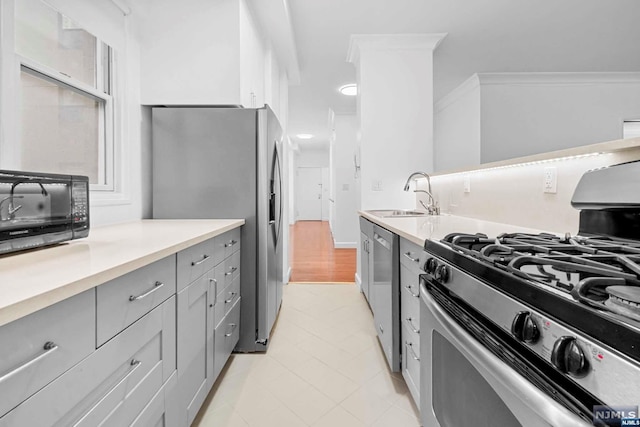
(66, 102)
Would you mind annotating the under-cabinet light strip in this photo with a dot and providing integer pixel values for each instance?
(536, 162)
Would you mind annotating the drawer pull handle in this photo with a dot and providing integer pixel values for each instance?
(408, 288)
(156, 286)
(227, 301)
(204, 258)
(233, 328)
(231, 243)
(230, 272)
(49, 347)
(381, 329)
(134, 364)
(408, 255)
(413, 353)
(409, 321)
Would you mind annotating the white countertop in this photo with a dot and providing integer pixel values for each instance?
(33, 280)
(436, 227)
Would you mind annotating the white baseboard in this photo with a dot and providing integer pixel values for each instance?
(345, 245)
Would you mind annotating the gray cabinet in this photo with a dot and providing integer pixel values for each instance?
(141, 350)
(366, 253)
(161, 411)
(113, 384)
(125, 299)
(412, 261)
(36, 349)
(192, 344)
(205, 309)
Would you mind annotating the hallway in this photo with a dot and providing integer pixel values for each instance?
(324, 368)
(313, 257)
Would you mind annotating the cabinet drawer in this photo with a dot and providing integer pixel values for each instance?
(113, 384)
(412, 256)
(38, 348)
(228, 243)
(411, 365)
(124, 300)
(194, 261)
(226, 300)
(160, 411)
(231, 268)
(226, 337)
(409, 300)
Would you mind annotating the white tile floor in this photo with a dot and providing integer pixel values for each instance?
(324, 368)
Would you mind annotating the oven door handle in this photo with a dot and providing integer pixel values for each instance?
(554, 413)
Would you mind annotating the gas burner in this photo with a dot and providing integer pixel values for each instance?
(559, 263)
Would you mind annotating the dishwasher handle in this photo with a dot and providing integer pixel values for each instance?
(378, 238)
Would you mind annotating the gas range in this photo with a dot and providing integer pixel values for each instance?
(599, 271)
(570, 304)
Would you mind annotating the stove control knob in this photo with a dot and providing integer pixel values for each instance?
(430, 265)
(442, 273)
(524, 328)
(569, 358)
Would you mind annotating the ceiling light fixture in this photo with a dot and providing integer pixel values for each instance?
(349, 90)
(304, 136)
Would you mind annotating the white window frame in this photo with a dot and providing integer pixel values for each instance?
(106, 143)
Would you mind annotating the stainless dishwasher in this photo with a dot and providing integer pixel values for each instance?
(386, 293)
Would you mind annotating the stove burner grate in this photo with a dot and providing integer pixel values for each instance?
(561, 263)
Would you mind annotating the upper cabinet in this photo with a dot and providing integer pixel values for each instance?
(200, 52)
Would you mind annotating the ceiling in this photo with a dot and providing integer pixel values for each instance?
(483, 36)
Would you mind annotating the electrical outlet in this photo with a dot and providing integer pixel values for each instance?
(376, 185)
(467, 184)
(551, 180)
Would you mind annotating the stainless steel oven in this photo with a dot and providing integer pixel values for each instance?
(38, 209)
(473, 376)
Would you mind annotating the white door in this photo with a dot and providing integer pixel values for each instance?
(309, 194)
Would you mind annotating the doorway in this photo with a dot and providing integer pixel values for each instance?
(309, 194)
(313, 257)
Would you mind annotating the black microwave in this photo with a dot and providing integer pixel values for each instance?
(39, 209)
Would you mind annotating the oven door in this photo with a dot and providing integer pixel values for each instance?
(463, 383)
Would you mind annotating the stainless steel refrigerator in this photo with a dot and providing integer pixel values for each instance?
(211, 162)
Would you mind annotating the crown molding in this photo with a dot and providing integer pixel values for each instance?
(565, 78)
(360, 42)
(458, 93)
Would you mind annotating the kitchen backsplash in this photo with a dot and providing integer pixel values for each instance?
(515, 194)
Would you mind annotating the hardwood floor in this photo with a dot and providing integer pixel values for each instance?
(313, 257)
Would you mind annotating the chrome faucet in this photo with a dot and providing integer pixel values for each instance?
(432, 208)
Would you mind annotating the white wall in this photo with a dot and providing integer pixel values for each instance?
(105, 20)
(520, 114)
(313, 158)
(345, 226)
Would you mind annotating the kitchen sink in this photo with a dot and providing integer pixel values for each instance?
(391, 213)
